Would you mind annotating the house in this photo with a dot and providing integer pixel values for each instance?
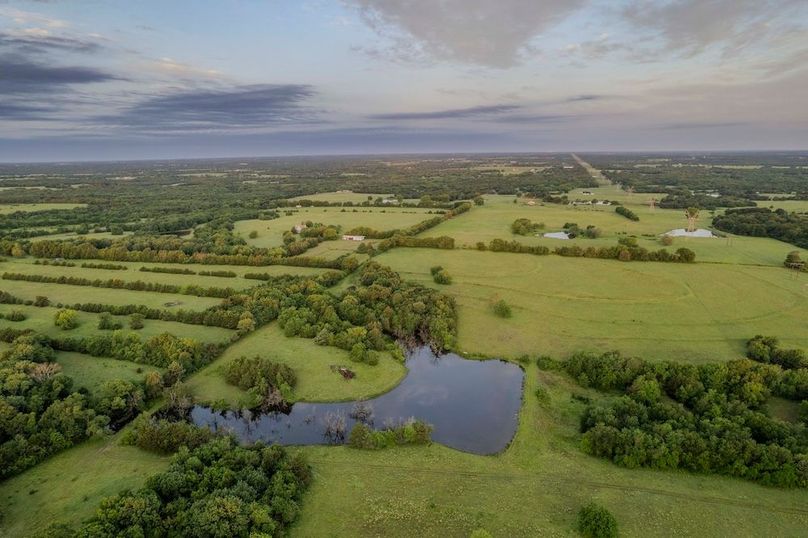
(297, 228)
(531, 202)
(390, 201)
(587, 193)
(353, 237)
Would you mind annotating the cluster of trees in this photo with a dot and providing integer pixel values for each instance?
(162, 350)
(526, 227)
(110, 266)
(685, 199)
(269, 383)
(168, 270)
(623, 252)
(223, 274)
(411, 432)
(626, 212)
(573, 230)
(763, 222)
(708, 418)
(14, 315)
(440, 275)
(165, 436)
(57, 263)
(361, 318)
(442, 242)
(116, 283)
(41, 413)
(415, 229)
(216, 489)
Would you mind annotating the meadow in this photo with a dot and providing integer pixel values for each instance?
(6, 209)
(685, 312)
(270, 232)
(688, 313)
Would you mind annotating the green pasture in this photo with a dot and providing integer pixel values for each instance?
(682, 312)
(6, 209)
(91, 372)
(68, 294)
(270, 232)
(342, 197)
(535, 488)
(494, 219)
(312, 363)
(40, 319)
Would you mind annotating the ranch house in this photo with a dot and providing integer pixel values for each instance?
(353, 237)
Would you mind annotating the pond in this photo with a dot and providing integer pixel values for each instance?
(472, 405)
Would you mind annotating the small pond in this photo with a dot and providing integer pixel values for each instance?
(681, 232)
(472, 405)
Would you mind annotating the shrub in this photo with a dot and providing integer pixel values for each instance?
(15, 315)
(502, 309)
(136, 321)
(542, 395)
(41, 300)
(66, 319)
(107, 323)
(253, 234)
(596, 522)
(626, 212)
(442, 277)
(667, 240)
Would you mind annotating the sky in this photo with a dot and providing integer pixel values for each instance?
(157, 79)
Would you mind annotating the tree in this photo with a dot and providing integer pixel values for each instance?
(502, 309)
(479, 200)
(66, 319)
(253, 234)
(794, 261)
(136, 321)
(595, 521)
(692, 215)
(120, 400)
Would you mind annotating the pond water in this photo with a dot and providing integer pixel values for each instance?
(557, 235)
(472, 405)
(681, 232)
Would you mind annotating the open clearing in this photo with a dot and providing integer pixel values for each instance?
(312, 363)
(684, 312)
(494, 219)
(270, 232)
(6, 209)
(92, 372)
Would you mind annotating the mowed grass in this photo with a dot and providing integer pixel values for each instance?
(535, 488)
(270, 232)
(682, 312)
(341, 197)
(92, 372)
(493, 221)
(68, 487)
(40, 319)
(68, 294)
(27, 266)
(312, 364)
(6, 209)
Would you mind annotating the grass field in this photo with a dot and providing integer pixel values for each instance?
(92, 372)
(40, 319)
(68, 487)
(690, 313)
(270, 232)
(67, 294)
(535, 488)
(5, 209)
(312, 363)
(493, 221)
(341, 197)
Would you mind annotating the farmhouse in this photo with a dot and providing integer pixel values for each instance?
(353, 237)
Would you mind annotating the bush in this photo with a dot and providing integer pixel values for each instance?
(136, 321)
(596, 522)
(107, 323)
(502, 309)
(66, 319)
(626, 212)
(15, 315)
(253, 234)
(442, 277)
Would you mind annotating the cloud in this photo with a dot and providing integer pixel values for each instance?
(456, 113)
(482, 32)
(692, 26)
(251, 106)
(39, 40)
(20, 75)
